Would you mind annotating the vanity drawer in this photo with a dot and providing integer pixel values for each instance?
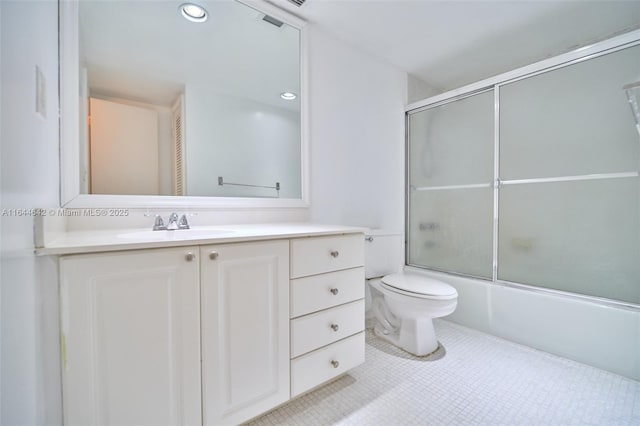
(311, 294)
(322, 328)
(318, 366)
(310, 256)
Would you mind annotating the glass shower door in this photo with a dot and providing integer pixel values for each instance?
(534, 182)
(450, 194)
(570, 193)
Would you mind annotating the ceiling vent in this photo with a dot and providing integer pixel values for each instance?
(272, 20)
(297, 2)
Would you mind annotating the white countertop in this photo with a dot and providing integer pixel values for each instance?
(134, 239)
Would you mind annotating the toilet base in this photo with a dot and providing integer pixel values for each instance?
(406, 321)
(416, 336)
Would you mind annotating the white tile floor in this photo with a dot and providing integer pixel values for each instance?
(476, 379)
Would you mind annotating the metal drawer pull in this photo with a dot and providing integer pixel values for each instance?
(334, 327)
(190, 256)
(213, 255)
(335, 253)
(335, 363)
(334, 291)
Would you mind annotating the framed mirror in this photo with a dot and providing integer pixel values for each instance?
(167, 103)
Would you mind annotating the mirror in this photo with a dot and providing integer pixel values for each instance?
(169, 106)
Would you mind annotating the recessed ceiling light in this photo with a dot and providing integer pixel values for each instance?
(193, 12)
(288, 96)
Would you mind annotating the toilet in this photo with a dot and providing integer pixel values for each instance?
(403, 303)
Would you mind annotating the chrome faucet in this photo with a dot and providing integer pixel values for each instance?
(173, 224)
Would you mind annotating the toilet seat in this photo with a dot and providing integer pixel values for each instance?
(420, 286)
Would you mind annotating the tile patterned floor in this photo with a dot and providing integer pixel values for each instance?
(474, 379)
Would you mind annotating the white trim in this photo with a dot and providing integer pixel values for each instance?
(70, 196)
(305, 168)
(439, 188)
(454, 98)
(69, 100)
(154, 201)
(571, 178)
(496, 180)
(407, 188)
(583, 53)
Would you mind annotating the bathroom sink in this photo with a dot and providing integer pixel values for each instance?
(178, 234)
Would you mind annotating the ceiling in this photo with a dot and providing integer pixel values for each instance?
(448, 44)
(146, 51)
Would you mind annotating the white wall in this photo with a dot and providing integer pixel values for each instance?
(357, 124)
(29, 348)
(356, 136)
(126, 136)
(241, 140)
(418, 90)
(165, 140)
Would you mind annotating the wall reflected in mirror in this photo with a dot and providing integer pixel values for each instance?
(169, 106)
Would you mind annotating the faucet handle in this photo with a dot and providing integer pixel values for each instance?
(183, 223)
(159, 224)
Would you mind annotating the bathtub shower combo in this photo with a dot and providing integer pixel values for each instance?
(532, 181)
(527, 180)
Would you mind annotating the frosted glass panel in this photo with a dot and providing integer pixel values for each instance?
(451, 230)
(452, 144)
(581, 236)
(571, 121)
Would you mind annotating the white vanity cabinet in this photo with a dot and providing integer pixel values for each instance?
(245, 330)
(327, 308)
(130, 324)
(207, 334)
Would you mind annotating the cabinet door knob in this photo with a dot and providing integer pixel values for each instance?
(334, 291)
(335, 253)
(213, 255)
(190, 256)
(334, 327)
(335, 363)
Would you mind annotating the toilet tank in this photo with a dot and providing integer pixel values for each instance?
(383, 253)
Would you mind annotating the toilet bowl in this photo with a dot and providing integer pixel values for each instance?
(403, 304)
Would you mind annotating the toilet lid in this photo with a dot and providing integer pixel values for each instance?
(419, 285)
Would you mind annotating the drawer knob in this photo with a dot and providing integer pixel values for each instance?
(334, 291)
(335, 253)
(335, 363)
(190, 256)
(334, 327)
(213, 255)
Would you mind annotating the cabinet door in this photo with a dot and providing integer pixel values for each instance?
(131, 338)
(245, 329)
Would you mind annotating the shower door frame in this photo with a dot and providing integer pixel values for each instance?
(586, 53)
